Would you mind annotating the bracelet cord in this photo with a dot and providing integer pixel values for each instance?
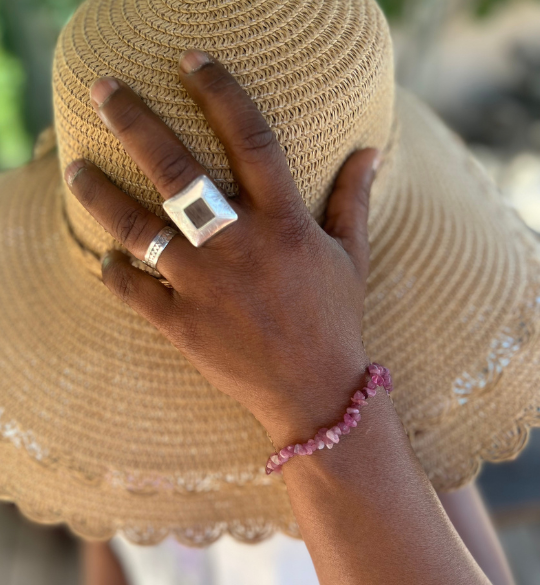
(379, 377)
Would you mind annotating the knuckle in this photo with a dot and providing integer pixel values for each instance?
(129, 225)
(121, 281)
(125, 286)
(293, 224)
(172, 168)
(295, 231)
(126, 118)
(184, 329)
(257, 141)
(216, 82)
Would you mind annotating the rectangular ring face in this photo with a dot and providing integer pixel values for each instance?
(200, 210)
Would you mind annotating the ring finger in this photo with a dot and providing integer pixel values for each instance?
(125, 219)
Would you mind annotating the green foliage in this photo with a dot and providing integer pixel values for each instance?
(15, 142)
(59, 10)
(21, 73)
(393, 9)
(484, 8)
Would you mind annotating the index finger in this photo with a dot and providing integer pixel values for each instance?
(255, 156)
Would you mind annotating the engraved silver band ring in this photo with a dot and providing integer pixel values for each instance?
(157, 245)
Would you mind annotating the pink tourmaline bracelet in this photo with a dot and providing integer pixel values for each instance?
(380, 376)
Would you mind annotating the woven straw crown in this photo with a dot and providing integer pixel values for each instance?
(320, 72)
(105, 425)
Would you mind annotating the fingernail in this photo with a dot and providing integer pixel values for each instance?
(192, 60)
(102, 89)
(73, 169)
(377, 161)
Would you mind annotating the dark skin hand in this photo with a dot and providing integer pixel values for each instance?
(264, 296)
(270, 311)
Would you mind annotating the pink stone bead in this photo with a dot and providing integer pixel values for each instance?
(332, 436)
(328, 441)
(299, 449)
(348, 419)
(360, 403)
(380, 377)
(374, 369)
(377, 380)
(307, 448)
(285, 455)
(345, 430)
(358, 396)
(270, 467)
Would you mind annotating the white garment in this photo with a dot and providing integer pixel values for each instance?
(280, 560)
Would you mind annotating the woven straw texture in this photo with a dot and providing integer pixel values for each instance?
(104, 424)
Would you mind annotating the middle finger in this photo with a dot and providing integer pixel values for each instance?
(145, 137)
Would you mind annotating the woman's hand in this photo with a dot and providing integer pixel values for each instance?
(269, 310)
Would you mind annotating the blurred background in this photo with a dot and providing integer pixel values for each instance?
(476, 62)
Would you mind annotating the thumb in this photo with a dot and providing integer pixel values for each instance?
(348, 206)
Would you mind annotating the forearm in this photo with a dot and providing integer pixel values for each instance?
(369, 514)
(468, 514)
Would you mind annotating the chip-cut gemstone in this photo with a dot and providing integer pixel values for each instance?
(345, 429)
(328, 441)
(299, 449)
(332, 436)
(308, 448)
(377, 380)
(358, 396)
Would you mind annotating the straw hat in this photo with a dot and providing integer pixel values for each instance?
(105, 425)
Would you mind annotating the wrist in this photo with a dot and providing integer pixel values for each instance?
(379, 432)
(314, 408)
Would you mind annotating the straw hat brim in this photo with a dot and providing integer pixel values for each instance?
(107, 427)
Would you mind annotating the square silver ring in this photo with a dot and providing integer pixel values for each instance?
(200, 210)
